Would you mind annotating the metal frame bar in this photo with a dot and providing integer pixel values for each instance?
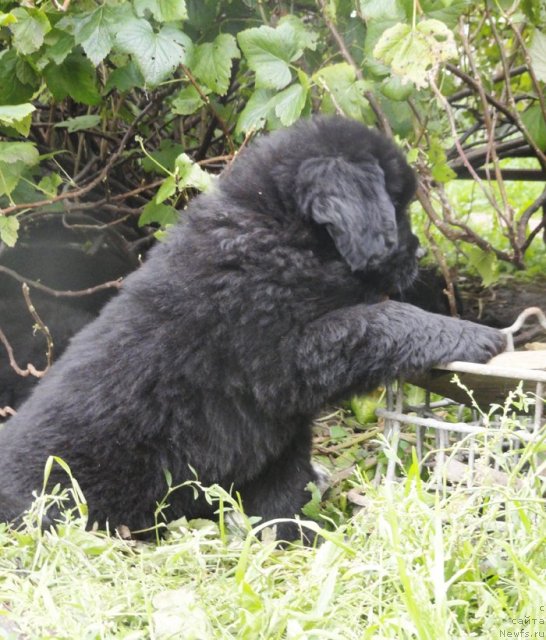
(396, 415)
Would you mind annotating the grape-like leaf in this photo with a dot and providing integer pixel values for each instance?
(17, 116)
(212, 62)
(96, 31)
(158, 213)
(412, 53)
(9, 228)
(79, 123)
(269, 52)
(342, 91)
(162, 10)
(290, 102)
(156, 54)
(258, 109)
(29, 29)
(75, 77)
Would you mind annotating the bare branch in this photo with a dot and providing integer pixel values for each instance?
(76, 193)
(112, 284)
(43, 328)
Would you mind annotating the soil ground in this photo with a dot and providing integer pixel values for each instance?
(500, 304)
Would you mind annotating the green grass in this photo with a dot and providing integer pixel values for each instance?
(414, 562)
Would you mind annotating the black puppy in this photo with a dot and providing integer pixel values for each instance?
(268, 303)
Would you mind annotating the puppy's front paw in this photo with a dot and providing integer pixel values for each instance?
(481, 343)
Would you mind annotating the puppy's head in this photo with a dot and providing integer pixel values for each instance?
(346, 178)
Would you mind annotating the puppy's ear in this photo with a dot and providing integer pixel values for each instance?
(353, 204)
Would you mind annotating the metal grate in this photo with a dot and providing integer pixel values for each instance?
(455, 451)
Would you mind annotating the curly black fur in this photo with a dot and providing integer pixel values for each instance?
(267, 304)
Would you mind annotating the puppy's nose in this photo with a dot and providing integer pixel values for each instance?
(420, 253)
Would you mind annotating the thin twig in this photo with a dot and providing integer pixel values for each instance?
(112, 284)
(43, 328)
(12, 362)
(62, 7)
(471, 82)
(504, 212)
(440, 259)
(447, 107)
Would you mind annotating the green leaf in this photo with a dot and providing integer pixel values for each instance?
(268, 52)
(204, 13)
(305, 38)
(381, 10)
(10, 174)
(212, 62)
(166, 190)
(258, 109)
(15, 158)
(162, 214)
(79, 123)
(96, 30)
(75, 77)
(26, 73)
(535, 10)
(6, 19)
(15, 90)
(18, 116)
(413, 53)
(49, 184)
(290, 102)
(443, 173)
(165, 157)
(342, 90)
(13, 152)
(537, 51)
(124, 78)
(162, 10)
(190, 174)
(393, 89)
(447, 12)
(9, 228)
(412, 155)
(485, 263)
(157, 55)
(188, 100)
(364, 407)
(440, 170)
(399, 116)
(337, 432)
(29, 29)
(58, 45)
(312, 509)
(533, 119)
(379, 15)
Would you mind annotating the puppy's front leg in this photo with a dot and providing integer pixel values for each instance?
(354, 349)
(279, 491)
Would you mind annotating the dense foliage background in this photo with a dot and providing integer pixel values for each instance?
(111, 109)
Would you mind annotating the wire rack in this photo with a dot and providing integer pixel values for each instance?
(508, 424)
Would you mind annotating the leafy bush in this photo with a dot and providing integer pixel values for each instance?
(99, 101)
